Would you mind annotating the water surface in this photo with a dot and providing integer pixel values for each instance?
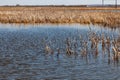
(23, 55)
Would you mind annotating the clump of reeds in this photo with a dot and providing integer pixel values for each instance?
(116, 50)
(94, 45)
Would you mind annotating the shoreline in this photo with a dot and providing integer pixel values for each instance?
(61, 15)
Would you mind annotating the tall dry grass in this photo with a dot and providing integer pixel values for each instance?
(102, 16)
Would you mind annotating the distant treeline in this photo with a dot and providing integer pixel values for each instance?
(17, 5)
(44, 5)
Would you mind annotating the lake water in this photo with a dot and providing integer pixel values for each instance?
(23, 54)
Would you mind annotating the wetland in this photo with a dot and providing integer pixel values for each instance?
(59, 52)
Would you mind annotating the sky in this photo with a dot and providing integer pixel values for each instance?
(55, 2)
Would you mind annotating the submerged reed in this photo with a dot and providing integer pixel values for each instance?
(94, 45)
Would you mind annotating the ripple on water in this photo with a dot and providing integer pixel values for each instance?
(23, 56)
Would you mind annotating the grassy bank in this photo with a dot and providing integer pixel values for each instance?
(84, 15)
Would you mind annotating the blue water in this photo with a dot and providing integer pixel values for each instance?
(23, 55)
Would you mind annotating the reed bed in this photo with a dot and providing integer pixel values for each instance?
(102, 16)
(94, 45)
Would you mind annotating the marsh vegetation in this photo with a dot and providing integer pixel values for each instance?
(105, 16)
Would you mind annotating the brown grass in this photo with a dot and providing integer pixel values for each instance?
(84, 15)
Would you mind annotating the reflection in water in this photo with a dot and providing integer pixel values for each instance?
(35, 52)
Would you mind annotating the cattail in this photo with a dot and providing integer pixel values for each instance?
(92, 42)
(96, 52)
(103, 41)
(67, 42)
(47, 49)
(115, 54)
(83, 52)
(69, 51)
(108, 42)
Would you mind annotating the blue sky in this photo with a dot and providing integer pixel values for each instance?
(54, 2)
